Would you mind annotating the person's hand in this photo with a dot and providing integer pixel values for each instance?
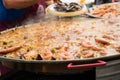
(115, 0)
(18, 4)
(49, 2)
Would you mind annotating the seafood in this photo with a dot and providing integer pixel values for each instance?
(101, 40)
(106, 11)
(71, 7)
(11, 49)
(61, 40)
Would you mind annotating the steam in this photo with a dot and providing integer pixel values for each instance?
(36, 18)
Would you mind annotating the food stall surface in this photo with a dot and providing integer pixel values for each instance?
(23, 75)
(109, 72)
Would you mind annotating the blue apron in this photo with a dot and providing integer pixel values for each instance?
(10, 14)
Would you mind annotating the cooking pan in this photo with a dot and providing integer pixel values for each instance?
(64, 66)
(98, 6)
(57, 66)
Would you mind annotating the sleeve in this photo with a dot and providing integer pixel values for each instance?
(10, 14)
(3, 11)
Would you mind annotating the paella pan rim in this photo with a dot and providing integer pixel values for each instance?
(105, 58)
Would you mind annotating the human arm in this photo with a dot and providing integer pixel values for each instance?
(115, 0)
(18, 4)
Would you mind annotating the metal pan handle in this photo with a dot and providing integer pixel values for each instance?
(99, 63)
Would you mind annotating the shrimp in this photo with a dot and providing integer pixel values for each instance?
(64, 47)
(87, 54)
(89, 45)
(118, 48)
(66, 56)
(109, 37)
(47, 55)
(11, 49)
(86, 44)
(103, 52)
(101, 40)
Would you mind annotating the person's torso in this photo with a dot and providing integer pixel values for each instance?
(10, 14)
